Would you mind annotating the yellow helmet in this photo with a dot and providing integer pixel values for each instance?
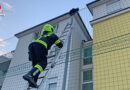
(48, 27)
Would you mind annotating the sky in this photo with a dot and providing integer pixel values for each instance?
(24, 14)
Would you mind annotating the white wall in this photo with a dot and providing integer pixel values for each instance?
(21, 52)
(13, 79)
(101, 10)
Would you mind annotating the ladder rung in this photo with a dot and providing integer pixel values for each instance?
(63, 40)
(41, 77)
(66, 31)
(63, 36)
(51, 56)
(67, 27)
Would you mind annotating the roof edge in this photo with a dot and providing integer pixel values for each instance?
(18, 34)
(91, 4)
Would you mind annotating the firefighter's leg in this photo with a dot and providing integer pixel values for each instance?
(29, 77)
(41, 58)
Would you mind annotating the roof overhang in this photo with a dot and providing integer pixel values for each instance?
(82, 26)
(94, 4)
(56, 20)
(40, 26)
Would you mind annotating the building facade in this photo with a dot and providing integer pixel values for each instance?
(67, 73)
(111, 44)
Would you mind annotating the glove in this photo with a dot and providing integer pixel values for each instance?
(73, 11)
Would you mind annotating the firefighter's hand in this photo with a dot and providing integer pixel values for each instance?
(73, 11)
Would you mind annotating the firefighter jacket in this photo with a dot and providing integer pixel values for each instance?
(48, 39)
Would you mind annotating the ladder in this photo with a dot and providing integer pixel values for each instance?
(65, 32)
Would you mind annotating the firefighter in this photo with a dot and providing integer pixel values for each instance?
(38, 51)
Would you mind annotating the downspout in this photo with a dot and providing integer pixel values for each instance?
(67, 57)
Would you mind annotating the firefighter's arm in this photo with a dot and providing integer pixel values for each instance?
(59, 43)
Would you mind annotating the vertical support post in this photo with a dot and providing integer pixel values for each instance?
(67, 56)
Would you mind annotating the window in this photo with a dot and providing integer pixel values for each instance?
(88, 86)
(52, 83)
(87, 80)
(87, 56)
(113, 6)
(52, 86)
(87, 75)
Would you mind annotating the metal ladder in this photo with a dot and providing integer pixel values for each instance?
(65, 32)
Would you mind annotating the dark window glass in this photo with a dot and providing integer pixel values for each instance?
(87, 56)
(87, 76)
(87, 86)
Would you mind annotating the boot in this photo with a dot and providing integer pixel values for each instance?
(28, 77)
(32, 77)
(35, 79)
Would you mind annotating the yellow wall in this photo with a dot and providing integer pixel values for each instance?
(112, 53)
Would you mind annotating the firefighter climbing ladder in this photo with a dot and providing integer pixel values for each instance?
(67, 32)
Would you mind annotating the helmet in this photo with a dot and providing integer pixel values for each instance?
(48, 27)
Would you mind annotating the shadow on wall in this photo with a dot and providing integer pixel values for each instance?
(4, 65)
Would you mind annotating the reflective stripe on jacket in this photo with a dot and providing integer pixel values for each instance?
(48, 39)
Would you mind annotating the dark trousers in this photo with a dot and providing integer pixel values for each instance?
(38, 55)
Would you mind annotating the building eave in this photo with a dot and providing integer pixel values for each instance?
(95, 3)
(119, 12)
(89, 5)
(52, 21)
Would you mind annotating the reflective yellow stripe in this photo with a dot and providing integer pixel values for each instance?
(57, 41)
(42, 42)
(49, 34)
(39, 67)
